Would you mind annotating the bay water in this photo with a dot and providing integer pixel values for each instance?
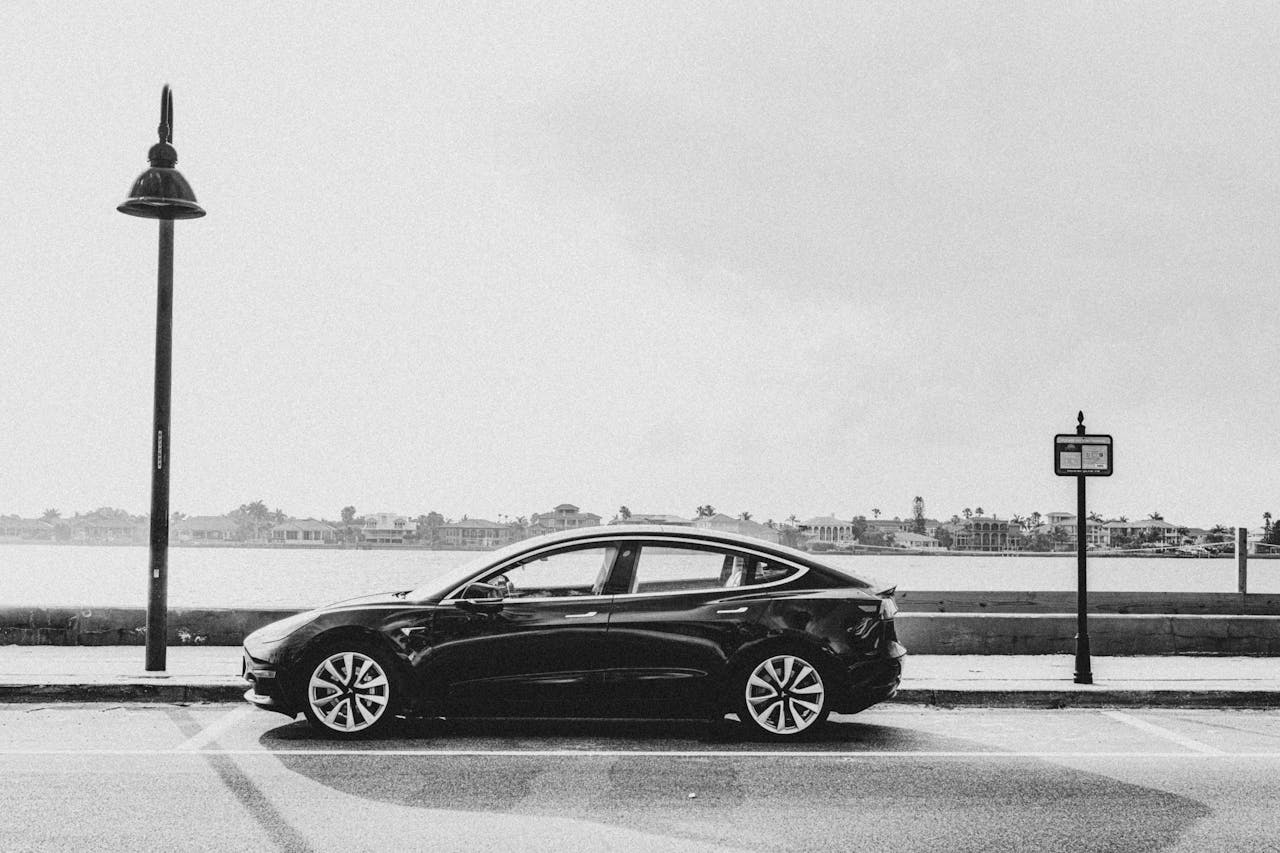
(104, 575)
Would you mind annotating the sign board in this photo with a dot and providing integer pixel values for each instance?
(1082, 455)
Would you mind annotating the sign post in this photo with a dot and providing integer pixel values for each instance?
(1081, 456)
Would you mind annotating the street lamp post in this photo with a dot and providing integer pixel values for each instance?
(161, 193)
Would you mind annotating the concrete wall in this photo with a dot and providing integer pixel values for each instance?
(934, 623)
(1109, 634)
(119, 626)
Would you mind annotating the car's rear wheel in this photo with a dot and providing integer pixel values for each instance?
(782, 695)
(350, 691)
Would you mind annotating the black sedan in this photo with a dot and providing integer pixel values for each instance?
(634, 620)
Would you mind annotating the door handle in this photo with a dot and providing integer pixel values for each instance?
(580, 615)
(739, 610)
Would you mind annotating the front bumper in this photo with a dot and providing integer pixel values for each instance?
(265, 689)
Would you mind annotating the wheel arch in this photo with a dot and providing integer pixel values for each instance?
(359, 637)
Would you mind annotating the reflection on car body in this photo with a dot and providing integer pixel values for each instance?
(637, 620)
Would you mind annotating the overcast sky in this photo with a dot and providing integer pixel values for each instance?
(796, 259)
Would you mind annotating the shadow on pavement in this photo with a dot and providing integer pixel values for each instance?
(751, 802)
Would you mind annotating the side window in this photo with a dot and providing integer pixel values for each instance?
(662, 568)
(581, 571)
(768, 571)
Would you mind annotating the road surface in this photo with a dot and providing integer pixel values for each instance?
(230, 777)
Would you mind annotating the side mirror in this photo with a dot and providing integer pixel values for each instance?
(481, 597)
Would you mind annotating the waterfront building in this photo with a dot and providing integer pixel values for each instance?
(1155, 530)
(476, 533)
(654, 518)
(981, 533)
(907, 539)
(306, 530)
(386, 528)
(563, 517)
(720, 521)
(827, 528)
(896, 525)
(12, 527)
(108, 529)
(204, 528)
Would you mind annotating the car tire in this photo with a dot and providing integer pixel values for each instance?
(782, 695)
(350, 690)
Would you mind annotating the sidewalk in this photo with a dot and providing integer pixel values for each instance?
(211, 674)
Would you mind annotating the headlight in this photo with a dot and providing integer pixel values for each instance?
(277, 631)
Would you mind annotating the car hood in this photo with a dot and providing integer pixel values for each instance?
(376, 598)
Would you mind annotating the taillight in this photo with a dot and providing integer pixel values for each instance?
(888, 608)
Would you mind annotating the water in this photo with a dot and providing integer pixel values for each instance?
(101, 576)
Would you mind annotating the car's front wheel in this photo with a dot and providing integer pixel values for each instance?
(782, 695)
(350, 691)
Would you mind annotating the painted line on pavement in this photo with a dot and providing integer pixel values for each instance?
(1162, 732)
(214, 729)
(624, 753)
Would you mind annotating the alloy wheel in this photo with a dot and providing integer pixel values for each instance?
(785, 695)
(349, 692)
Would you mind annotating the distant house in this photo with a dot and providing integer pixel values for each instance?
(728, 524)
(476, 533)
(563, 517)
(1153, 530)
(981, 533)
(303, 530)
(205, 528)
(907, 539)
(12, 527)
(897, 525)
(654, 518)
(111, 530)
(826, 528)
(386, 528)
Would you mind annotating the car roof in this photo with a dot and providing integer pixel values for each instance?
(661, 531)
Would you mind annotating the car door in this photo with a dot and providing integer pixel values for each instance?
(681, 619)
(528, 637)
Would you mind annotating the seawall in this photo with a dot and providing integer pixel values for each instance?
(930, 623)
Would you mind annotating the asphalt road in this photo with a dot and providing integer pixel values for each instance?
(229, 777)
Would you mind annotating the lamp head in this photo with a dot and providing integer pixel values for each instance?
(161, 192)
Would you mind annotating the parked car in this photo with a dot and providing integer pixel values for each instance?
(636, 620)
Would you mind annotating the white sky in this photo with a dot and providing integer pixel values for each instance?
(769, 258)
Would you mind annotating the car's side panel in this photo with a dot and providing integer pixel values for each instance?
(672, 649)
(517, 655)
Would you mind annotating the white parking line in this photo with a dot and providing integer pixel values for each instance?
(1162, 732)
(217, 727)
(626, 753)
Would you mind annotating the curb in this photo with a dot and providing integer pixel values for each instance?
(185, 693)
(1099, 698)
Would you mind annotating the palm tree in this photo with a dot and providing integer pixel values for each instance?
(978, 511)
(875, 513)
(1035, 519)
(624, 512)
(1266, 521)
(706, 511)
(745, 516)
(1156, 516)
(967, 513)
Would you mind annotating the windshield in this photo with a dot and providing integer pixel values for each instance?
(440, 584)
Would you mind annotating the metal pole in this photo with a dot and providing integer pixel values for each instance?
(1242, 559)
(158, 578)
(1084, 669)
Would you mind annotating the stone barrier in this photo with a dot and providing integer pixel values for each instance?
(931, 623)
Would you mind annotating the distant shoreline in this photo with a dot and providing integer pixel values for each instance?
(887, 552)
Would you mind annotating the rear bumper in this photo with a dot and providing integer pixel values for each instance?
(872, 681)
